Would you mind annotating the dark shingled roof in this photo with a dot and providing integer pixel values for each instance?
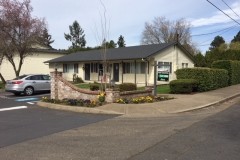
(124, 53)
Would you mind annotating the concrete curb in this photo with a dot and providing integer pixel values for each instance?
(75, 109)
(209, 104)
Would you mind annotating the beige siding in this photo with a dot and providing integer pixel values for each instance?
(174, 55)
(31, 65)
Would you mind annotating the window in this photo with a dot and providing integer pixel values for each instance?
(140, 67)
(94, 67)
(36, 77)
(75, 68)
(165, 66)
(68, 68)
(65, 68)
(184, 65)
(129, 67)
(46, 77)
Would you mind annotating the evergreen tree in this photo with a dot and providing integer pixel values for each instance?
(218, 40)
(46, 39)
(236, 38)
(76, 36)
(121, 42)
(110, 44)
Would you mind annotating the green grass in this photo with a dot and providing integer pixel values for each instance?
(163, 89)
(83, 85)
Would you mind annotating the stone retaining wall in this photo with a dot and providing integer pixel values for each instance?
(61, 88)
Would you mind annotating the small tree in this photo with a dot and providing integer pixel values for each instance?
(76, 36)
(19, 31)
(121, 42)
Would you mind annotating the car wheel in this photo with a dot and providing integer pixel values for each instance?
(28, 91)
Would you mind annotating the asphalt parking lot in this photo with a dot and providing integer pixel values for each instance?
(21, 119)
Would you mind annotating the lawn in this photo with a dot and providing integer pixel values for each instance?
(83, 85)
(161, 89)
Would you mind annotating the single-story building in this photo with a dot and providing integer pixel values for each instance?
(133, 64)
(33, 64)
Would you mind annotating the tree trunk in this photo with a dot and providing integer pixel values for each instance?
(2, 79)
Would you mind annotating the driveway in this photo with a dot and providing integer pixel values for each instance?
(21, 119)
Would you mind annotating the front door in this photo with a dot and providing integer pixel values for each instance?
(116, 72)
(87, 71)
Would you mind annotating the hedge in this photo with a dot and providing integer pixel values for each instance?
(127, 87)
(183, 86)
(233, 68)
(209, 79)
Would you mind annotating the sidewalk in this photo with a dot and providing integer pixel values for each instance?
(181, 103)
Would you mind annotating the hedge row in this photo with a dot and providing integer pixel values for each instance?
(233, 68)
(209, 79)
(183, 86)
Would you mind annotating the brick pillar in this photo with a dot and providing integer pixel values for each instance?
(112, 95)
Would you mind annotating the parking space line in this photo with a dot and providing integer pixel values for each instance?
(13, 108)
(26, 99)
(30, 103)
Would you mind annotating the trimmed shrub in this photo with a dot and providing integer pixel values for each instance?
(233, 68)
(183, 86)
(209, 79)
(127, 87)
(94, 86)
(79, 80)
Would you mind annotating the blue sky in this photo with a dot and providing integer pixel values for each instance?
(127, 18)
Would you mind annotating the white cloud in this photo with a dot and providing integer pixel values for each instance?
(218, 17)
(127, 17)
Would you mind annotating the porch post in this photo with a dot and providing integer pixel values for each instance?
(155, 78)
(122, 71)
(135, 75)
(146, 72)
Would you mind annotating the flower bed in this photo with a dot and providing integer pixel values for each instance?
(146, 99)
(79, 102)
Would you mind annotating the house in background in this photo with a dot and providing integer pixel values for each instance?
(33, 64)
(128, 64)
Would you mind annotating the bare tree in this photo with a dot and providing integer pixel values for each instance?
(162, 30)
(19, 31)
(102, 37)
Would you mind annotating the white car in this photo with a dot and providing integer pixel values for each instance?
(29, 84)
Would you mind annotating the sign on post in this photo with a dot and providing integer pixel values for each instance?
(163, 76)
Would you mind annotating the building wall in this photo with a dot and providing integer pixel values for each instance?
(173, 55)
(31, 65)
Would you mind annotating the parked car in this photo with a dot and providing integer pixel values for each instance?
(28, 84)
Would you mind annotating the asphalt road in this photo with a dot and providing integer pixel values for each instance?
(21, 119)
(208, 134)
(214, 138)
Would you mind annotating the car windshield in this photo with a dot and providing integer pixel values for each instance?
(20, 77)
